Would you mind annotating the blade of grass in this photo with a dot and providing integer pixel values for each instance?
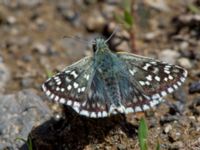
(158, 146)
(28, 143)
(128, 18)
(194, 9)
(49, 73)
(143, 134)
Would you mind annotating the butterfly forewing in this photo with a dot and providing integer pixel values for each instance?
(156, 78)
(70, 86)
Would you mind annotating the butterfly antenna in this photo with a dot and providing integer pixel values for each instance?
(114, 32)
(75, 38)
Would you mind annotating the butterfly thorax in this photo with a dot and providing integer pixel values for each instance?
(108, 66)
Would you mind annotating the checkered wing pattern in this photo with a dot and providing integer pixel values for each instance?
(69, 86)
(151, 79)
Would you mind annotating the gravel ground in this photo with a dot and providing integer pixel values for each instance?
(32, 46)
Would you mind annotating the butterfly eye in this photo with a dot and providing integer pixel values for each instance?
(94, 46)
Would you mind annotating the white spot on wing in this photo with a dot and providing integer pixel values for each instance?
(157, 78)
(170, 77)
(69, 102)
(85, 113)
(52, 96)
(153, 62)
(75, 85)
(69, 87)
(62, 101)
(163, 93)
(138, 108)
(86, 76)
(67, 71)
(74, 74)
(99, 114)
(121, 109)
(153, 103)
(57, 89)
(175, 86)
(44, 87)
(93, 115)
(132, 71)
(147, 65)
(76, 109)
(62, 89)
(149, 77)
(166, 79)
(142, 83)
(155, 96)
(145, 107)
(129, 110)
(179, 83)
(56, 98)
(170, 90)
(58, 83)
(182, 79)
(104, 114)
(83, 89)
(166, 71)
(147, 83)
(48, 93)
(67, 79)
(76, 104)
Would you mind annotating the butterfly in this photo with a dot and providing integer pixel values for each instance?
(110, 82)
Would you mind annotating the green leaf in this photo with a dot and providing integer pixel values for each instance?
(143, 134)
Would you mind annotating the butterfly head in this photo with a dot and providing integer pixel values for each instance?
(100, 44)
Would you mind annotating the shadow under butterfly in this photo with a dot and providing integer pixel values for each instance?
(75, 131)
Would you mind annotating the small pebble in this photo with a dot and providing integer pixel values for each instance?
(184, 46)
(174, 135)
(184, 62)
(177, 146)
(4, 76)
(68, 13)
(95, 22)
(26, 83)
(194, 87)
(41, 48)
(167, 128)
(169, 56)
(11, 20)
(167, 119)
(151, 36)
